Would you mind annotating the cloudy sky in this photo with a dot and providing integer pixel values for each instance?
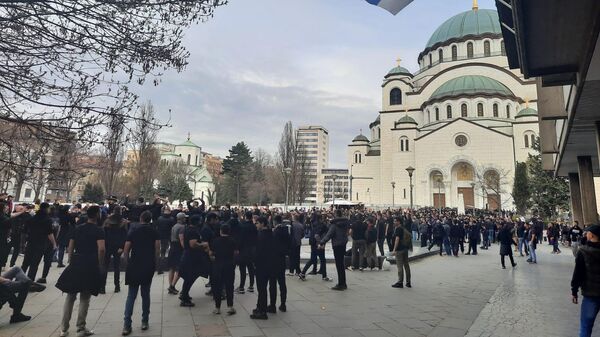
(260, 63)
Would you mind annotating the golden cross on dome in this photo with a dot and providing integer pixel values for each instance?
(527, 102)
(188, 136)
(398, 60)
(361, 131)
(475, 5)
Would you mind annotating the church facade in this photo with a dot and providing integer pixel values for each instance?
(462, 122)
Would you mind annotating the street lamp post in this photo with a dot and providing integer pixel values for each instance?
(393, 193)
(410, 171)
(286, 172)
(334, 177)
(350, 186)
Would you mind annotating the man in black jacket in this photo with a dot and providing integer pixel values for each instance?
(587, 277)
(246, 241)
(317, 231)
(265, 261)
(281, 245)
(359, 243)
(338, 233)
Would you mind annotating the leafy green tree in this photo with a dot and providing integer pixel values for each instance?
(93, 193)
(521, 194)
(549, 194)
(235, 168)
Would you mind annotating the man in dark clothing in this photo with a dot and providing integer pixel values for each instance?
(247, 250)
(318, 230)
(297, 233)
(455, 235)
(380, 233)
(402, 244)
(359, 244)
(438, 236)
(207, 234)
(281, 245)
(14, 286)
(163, 225)
(265, 260)
(587, 277)
(473, 233)
(338, 233)
(18, 220)
(223, 273)
(39, 235)
(5, 225)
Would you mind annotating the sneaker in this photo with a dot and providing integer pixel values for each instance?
(36, 287)
(145, 326)
(17, 318)
(503, 267)
(216, 311)
(160, 272)
(250, 289)
(302, 277)
(117, 289)
(207, 285)
(63, 334)
(41, 280)
(468, 254)
(408, 285)
(126, 331)
(209, 293)
(290, 274)
(514, 265)
(172, 291)
(314, 272)
(283, 307)
(240, 291)
(102, 291)
(60, 265)
(327, 279)
(85, 333)
(339, 287)
(231, 311)
(259, 315)
(271, 309)
(397, 285)
(187, 303)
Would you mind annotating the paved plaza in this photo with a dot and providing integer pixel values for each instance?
(469, 295)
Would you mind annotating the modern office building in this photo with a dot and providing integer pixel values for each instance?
(313, 147)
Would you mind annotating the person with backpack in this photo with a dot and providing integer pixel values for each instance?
(402, 244)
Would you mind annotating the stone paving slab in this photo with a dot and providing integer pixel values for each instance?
(469, 295)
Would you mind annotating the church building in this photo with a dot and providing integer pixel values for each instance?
(462, 122)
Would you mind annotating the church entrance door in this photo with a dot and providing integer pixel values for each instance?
(439, 200)
(468, 197)
(493, 202)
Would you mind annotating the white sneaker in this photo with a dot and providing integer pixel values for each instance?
(217, 311)
(85, 333)
(63, 334)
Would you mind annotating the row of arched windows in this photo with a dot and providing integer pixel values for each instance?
(529, 139)
(464, 111)
(487, 51)
(404, 144)
(357, 158)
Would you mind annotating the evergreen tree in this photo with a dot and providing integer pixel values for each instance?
(93, 193)
(521, 194)
(549, 194)
(235, 167)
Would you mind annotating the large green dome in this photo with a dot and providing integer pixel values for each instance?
(471, 85)
(469, 23)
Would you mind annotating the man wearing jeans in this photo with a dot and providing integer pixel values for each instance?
(532, 239)
(14, 286)
(587, 277)
(402, 244)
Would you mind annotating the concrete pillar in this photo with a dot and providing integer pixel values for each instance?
(588, 193)
(575, 198)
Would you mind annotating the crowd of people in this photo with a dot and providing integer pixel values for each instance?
(192, 241)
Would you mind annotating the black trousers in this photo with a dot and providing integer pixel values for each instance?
(223, 277)
(278, 279)
(380, 246)
(18, 294)
(314, 254)
(295, 260)
(164, 247)
(461, 244)
(185, 288)
(48, 257)
(423, 240)
(249, 265)
(31, 261)
(512, 261)
(472, 246)
(15, 244)
(390, 242)
(4, 250)
(113, 256)
(454, 245)
(263, 279)
(338, 254)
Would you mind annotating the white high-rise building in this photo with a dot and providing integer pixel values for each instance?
(313, 142)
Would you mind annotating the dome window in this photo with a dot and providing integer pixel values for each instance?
(495, 110)
(479, 109)
(404, 144)
(454, 53)
(441, 55)
(449, 112)
(487, 50)
(463, 110)
(470, 50)
(430, 60)
(396, 97)
(437, 114)
(507, 111)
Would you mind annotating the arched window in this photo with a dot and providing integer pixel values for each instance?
(532, 139)
(502, 48)
(495, 110)
(378, 133)
(470, 50)
(395, 96)
(448, 112)
(463, 110)
(196, 160)
(454, 53)
(357, 158)
(487, 51)
(526, 140)
(437, 114)
(404, 144)
(507, 111)
(430, 62)
(479, 109)
(441, 55)
(189, 160)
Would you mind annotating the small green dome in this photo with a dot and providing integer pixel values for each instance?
(406, 120)
(188, 143)
(471, 85)
(469, 23)
(527, 112)
(360, 138)
(398, 70)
